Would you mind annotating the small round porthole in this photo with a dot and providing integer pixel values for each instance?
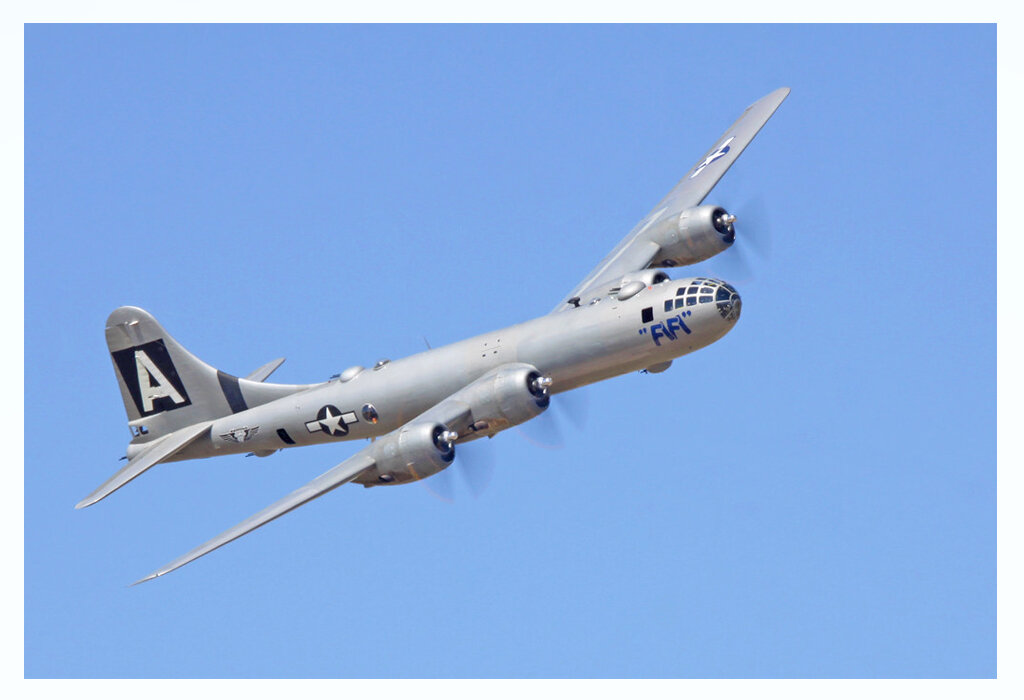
(370, 413)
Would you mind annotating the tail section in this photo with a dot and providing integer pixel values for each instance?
(165, 387)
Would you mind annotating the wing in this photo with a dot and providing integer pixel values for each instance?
(453, 412)
(635, 252)
(328, 481)
(162, 449)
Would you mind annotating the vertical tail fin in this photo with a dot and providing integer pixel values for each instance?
(165, 387)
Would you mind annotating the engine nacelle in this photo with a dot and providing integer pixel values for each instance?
(695, 235)
(510, 395)
(507, 396)
(414, 452)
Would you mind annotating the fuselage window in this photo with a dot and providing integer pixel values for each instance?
(647, 315)
(370, 413)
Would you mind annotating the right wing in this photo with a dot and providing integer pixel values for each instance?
(636, 251)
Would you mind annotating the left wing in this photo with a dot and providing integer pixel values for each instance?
(328, 481)
(454, 412)
(636, 251)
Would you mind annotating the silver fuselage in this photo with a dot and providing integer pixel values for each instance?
(575, 347)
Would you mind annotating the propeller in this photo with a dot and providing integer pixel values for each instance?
(757, 229)
(477, 465)
(753, 233)
(474, 464)
(547, 429)
(475, 461)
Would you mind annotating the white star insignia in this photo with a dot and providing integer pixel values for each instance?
(332, 422)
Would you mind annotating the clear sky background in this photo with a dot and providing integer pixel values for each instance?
(812, 496)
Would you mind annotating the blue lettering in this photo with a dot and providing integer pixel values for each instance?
(683, 324)
(676, 322)
(655, 334)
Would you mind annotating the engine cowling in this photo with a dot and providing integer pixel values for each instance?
(414, 452)
(507, 396)
(513, 394)
(695, 235)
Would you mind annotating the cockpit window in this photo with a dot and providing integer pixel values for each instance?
(668, 304)
(702, 290)
(728, 303)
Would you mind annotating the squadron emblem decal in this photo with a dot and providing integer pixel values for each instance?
(240, 434)
(332, 421)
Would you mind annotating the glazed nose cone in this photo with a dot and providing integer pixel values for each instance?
(728, 302)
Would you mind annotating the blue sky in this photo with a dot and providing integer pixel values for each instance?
(812, 496)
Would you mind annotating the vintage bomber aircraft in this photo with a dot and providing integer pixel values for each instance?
(626, 315)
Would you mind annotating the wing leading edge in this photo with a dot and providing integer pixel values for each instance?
(635, 251)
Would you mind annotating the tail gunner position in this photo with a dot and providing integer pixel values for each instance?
(626, 315)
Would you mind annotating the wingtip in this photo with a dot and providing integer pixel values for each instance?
(84, 503)
(144, 579)
(775, 97)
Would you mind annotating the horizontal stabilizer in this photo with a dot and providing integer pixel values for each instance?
(161, 450)
(266, 370)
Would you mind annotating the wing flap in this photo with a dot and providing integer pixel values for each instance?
(161, 450)
(328, 481)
